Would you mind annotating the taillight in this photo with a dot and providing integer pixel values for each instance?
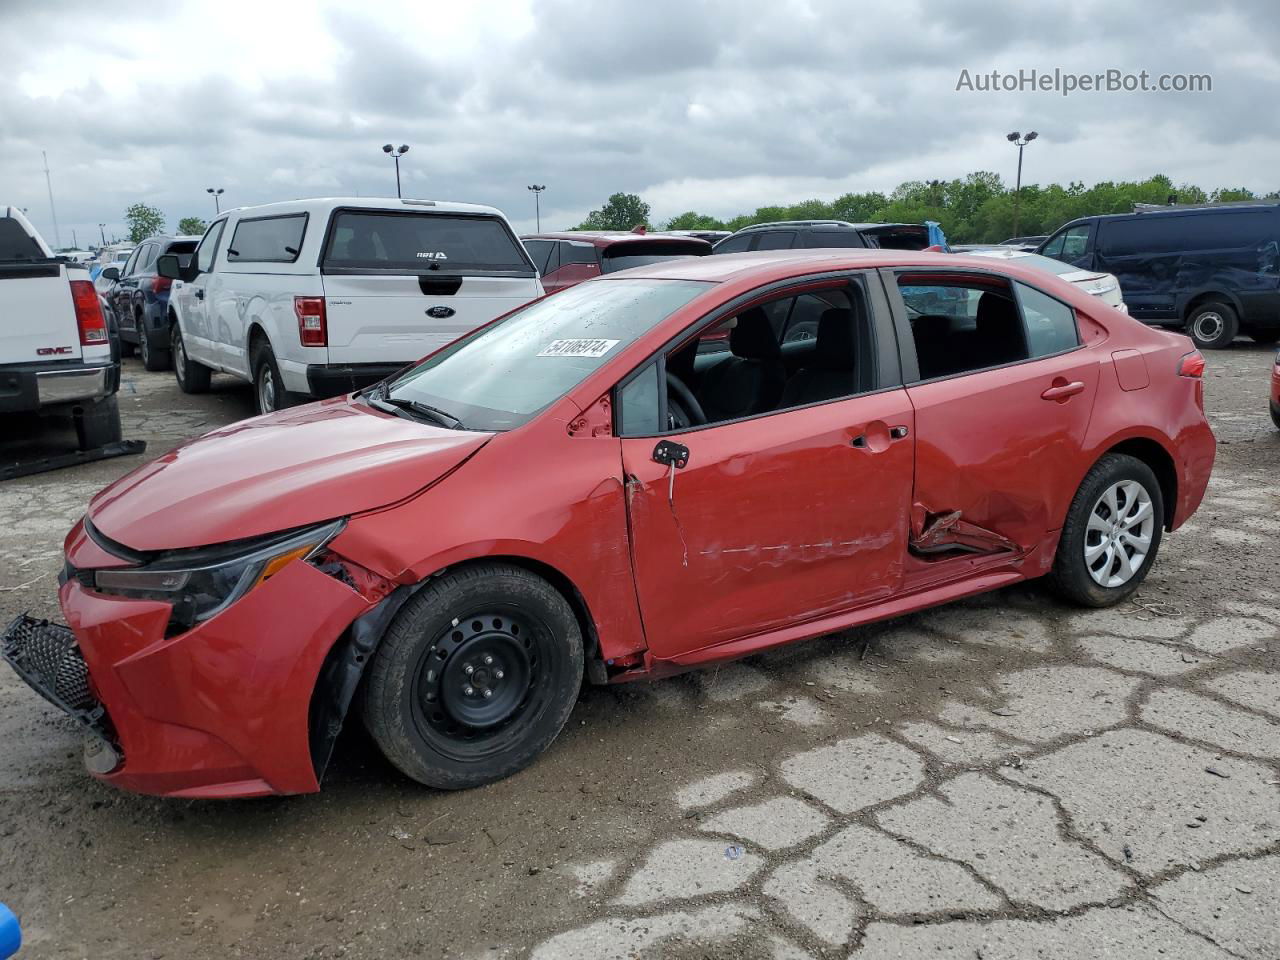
(159, 283)
(1192, 365)
(313, 328)
(89, 318)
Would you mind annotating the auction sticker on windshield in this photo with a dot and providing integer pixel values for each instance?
(593, 348)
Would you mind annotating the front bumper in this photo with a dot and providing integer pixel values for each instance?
(30, 387)
(48, 658)
(221, 710)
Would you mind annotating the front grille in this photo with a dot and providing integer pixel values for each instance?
(47, 657)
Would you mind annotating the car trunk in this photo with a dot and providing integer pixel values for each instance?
(399, 285)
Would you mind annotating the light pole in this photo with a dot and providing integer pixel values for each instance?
(396, 153)
(217, 207)
(537, 189)
(102, 229)
(1019, 141)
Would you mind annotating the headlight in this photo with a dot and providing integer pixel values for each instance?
(201, 583)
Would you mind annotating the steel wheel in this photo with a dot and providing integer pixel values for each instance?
(1209, 326)
(179, 357)
(476, 681)
(1119, 533)
(266, 389)
(144, 347)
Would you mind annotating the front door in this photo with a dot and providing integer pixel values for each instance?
(785, 515)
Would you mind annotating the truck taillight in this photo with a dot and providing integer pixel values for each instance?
(1192, 365)
(313, 328)
(89, 318)
(160, 284)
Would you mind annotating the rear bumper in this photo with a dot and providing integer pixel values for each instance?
(1197, 449)
(326, 380)
(221, 710)
(28, 387)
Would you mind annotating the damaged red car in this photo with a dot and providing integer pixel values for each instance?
(603, 484)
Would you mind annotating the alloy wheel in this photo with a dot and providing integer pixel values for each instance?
(1119, 533)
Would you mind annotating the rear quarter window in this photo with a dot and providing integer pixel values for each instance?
(423, 241)
(267, 239)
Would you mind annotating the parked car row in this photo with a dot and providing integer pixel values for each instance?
(140, 298)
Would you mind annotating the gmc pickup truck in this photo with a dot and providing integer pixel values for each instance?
(55, 347)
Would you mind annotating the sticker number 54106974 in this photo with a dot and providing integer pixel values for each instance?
(577, 348)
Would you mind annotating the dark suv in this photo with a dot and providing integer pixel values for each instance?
(140, 298)
(1213, 271)
(817, 234)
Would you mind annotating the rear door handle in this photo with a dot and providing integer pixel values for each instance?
(1062, 391)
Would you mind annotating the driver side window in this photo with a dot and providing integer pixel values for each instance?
(769, 357)
(209, 246)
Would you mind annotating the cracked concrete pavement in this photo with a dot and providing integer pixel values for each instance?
(1002, 778)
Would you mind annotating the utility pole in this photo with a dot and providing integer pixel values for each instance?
(102, 229)
(57, 238)
(537, 205)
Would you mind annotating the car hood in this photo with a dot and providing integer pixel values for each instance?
(276, 472)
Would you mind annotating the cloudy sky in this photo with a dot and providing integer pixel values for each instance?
(714, 105)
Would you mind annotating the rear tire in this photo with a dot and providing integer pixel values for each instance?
(152, 359)
(476, 676)
(1275, 415)
(192, 377)
(97, 423)
(1112, 533)
(268, 387)
(1213, 325)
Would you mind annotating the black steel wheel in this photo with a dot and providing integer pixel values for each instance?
(476, 676)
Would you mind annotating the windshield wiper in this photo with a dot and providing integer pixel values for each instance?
(421, 409)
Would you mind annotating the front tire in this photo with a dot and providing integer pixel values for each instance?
(476, 676)
(1213, 325)
(192, 377)
(1112, 533)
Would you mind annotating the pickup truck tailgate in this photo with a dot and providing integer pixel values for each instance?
(37, 315)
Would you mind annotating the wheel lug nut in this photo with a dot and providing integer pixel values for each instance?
(468, 669)
(468, 690)
(488, 661)
(488, 694)
(497, 674)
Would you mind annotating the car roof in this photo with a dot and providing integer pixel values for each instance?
(1179, 211)
(322, 206)
(843, 224)
(766, 266)
(607, 238)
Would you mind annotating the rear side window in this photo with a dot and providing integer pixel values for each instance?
(267, 240)
(540, 251)
(180, 246)
(577, 253)
(16, 243)
(777, 240)
(1050, 323)
(734, 244)
(833, 238)
(421, 241)
(1069, 244)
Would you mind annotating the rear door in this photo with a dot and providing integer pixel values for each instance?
(1003, 394)
(37, 316)
(399, 285)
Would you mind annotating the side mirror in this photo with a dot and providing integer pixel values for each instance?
(110, 273)
(177, 266)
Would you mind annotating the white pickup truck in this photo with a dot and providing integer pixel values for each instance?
(316, 298)
(55, 347)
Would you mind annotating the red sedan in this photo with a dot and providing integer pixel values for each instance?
(600, 483)
(1275, 392)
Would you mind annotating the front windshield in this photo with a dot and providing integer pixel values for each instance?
(501, 376)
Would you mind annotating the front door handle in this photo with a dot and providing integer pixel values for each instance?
(199, 291)
(898, 433)
(1062, 391)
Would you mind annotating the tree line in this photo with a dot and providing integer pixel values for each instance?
(147, 221)
(977, 208)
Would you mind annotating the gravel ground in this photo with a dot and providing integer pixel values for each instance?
(1001, 778)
